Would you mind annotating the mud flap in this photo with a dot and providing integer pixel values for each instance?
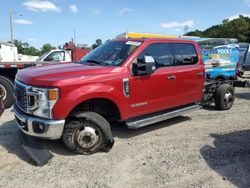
(35, 150)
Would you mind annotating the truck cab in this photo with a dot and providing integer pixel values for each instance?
(56, 55)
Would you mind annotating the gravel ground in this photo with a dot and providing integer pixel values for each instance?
(205, 148)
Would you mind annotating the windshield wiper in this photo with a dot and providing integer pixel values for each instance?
(94, 61)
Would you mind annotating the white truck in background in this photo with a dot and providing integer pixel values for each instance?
(9, 53)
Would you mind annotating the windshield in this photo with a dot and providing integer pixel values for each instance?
(40, 58)
(112, 53)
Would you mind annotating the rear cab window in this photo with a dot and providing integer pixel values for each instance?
(185, 54)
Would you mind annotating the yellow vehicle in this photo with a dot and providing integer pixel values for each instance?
(144, 35)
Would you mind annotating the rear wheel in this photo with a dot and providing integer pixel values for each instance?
(87, 134)
(6, 91)
(224, 97)
(240, 71)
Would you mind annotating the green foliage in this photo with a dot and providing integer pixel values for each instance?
(45, 48)
(25, 49)
(238, 28)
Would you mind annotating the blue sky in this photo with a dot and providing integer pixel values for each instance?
(54, 21)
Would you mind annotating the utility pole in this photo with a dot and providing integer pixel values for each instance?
(11, 28)
(74, 36)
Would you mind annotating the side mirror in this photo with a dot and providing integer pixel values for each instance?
(145, 66)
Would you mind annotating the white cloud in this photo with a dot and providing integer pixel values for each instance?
(247, 3)
(178, 25)
(97, 11)
(31, 39)
(23, 22)
(41, 6)
(237, 16)
(73, 8)
(124, 11)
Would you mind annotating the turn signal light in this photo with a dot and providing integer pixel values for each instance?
(53, 94)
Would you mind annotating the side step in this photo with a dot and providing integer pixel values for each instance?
(144, 120)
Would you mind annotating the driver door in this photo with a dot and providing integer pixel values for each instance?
(155, 92)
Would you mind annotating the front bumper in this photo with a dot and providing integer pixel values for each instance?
(39, 127)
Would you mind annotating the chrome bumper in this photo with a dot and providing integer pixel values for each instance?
(39, 127)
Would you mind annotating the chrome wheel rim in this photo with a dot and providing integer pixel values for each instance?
(228, 99)
(88, 137)
(3, 92)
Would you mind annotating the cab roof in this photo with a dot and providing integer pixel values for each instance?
(155, 39)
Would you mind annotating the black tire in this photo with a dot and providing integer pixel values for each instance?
(240, 72)
(224, 97)
(7, 91)
(85, 129)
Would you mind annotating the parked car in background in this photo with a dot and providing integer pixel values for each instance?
(1, 106)
(244, 59)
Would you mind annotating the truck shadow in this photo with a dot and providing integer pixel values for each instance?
(243, 96)
(120, 130)
(230, 157)
(9, 139)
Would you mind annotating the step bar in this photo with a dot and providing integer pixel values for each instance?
(145, 120)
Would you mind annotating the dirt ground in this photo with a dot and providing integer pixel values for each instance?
(205, 148)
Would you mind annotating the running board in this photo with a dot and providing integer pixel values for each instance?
(145, 120)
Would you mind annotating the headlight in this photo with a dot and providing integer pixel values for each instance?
(42, 100)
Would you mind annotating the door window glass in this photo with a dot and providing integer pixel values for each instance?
(161, 52)
(185, 54)
(56, 56)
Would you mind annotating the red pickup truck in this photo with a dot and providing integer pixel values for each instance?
(136, 81)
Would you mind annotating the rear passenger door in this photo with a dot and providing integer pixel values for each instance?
(189, 74)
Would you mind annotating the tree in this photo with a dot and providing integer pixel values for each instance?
(45, 48)
(98, 42)
(238, 28)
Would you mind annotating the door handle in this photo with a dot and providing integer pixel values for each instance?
(199, 73)
(171, 77)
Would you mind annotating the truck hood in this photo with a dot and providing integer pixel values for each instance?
(56, 74)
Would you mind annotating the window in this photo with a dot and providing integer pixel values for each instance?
(56, 56)
(112, 53)
(185, 54)
(161, 52)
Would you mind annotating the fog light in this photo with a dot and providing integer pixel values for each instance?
(38, 127)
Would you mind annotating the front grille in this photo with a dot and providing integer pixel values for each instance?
(21, 96)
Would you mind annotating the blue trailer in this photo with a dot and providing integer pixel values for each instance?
(220, 56)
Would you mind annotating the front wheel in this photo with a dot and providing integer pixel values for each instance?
(224, 97)
(88, 133)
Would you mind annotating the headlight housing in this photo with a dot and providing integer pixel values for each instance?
(41, 101)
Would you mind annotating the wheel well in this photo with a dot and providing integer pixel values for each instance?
(105, 107)
(8, 73)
